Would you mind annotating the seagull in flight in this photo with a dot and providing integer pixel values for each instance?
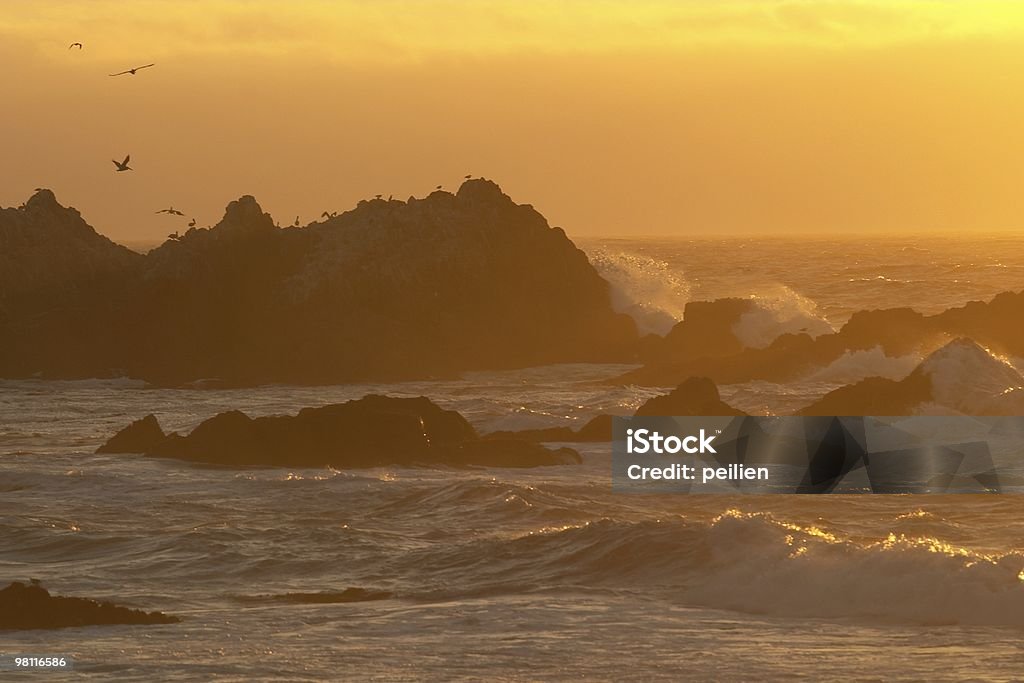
(123, 165)
(171, 211)
(132, 70)
(78, 45)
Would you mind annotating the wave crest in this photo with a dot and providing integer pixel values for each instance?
(646, 289)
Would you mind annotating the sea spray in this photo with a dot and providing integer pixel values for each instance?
(779, 310)
(646, 289)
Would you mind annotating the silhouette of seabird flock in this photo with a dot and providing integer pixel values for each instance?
(171, 211)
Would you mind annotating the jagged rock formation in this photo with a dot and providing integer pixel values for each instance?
(373, 431)
(898, 332)
(697, 396)
(961, 376)
(389, 290)
(59, 284)
(30, 606)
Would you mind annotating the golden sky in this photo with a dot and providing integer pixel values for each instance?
(612, 117)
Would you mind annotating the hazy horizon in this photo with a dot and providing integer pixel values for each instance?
(612, 119)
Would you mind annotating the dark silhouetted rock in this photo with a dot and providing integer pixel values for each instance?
(695, 396)
(24, 607)
(962, 376)
(874, 396)
(390, 290)
(897, 332)
(369, 432)
(140, 436)
(62, 290)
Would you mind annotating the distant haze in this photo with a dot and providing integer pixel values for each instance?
(615, 117)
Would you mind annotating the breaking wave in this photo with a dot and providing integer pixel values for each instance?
(646, 289)
(779, 310)
(750, 563)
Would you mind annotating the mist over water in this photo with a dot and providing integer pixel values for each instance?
(535, 574)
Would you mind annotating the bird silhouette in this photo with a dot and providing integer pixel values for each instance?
(439, 187)
(173, 236)
(78, 45)
(172, 211)
(469, 177)
(132, 70)
(192, 223)
(296, 221)
(123, 165)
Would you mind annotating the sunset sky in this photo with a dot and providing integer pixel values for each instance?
(611, 117)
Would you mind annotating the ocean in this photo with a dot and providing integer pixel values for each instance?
(539, 574)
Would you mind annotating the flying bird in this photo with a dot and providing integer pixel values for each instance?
(171, 211)
(123, 165)
(78, 45)
(132, 70)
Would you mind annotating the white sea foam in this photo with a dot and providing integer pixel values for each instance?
(969, 378)
(779, 310)
(647, 289)
(853, 366)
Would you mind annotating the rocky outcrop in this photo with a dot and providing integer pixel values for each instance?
(61, 287)
(696, 396)
(961, 377)
(790, 356)
(390, 290)
(141, 436)
(30, 606)
(372, 431)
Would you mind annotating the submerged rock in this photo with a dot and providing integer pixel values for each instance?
(372, 431)
(30, 606)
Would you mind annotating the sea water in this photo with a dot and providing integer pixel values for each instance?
(524, 574)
